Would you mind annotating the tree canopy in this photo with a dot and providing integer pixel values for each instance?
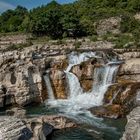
(59, 21)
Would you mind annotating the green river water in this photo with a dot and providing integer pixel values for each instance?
(89, 128)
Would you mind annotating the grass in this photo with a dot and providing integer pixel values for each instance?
(40, 40)
(14, 33)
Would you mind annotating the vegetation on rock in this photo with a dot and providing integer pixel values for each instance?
(78, 19)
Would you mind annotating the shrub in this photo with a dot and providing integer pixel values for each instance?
(124, 39)
(77, 44)
(129, 24)
(93, 38)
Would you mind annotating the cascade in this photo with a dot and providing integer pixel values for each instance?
(115, 95)
(103, 78)
(78, 100)
(75, 59)
(74, 85)
(49, 87)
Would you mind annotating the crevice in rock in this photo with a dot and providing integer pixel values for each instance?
(4, 100)
(13, 78)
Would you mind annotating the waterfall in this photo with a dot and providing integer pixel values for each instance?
(114, 97)
(75, 58)
(103, 78)
(74, 85)
(78, 100)
(49, 87)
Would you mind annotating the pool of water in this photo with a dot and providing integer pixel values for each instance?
(89, 128)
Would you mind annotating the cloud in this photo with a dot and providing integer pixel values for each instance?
(5, 6)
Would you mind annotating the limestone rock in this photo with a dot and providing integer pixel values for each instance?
(123, 94)
(132, 129)
(39, 128)
(16, 112)
(58, 80)
(2, 96)
(126, 54)
(119, 100)
(110, 111)
(130, 70)
(59, 122)
(13, 129)
(111, 25)
(84, 72)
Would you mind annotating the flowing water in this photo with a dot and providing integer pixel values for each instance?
(78, 102)
(90, 128)
(49, 87)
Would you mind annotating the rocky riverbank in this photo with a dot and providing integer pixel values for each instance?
(22, 83)
(132, 129)
(16, 125)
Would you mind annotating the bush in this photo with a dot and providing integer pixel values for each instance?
(93, 38)
(77, 44)
(124, 41)
(129, 24)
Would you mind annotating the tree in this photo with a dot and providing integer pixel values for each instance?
(47, 20)
(134, 5)
(71, 21)
(11, 20)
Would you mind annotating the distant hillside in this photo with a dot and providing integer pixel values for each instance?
(71, 20)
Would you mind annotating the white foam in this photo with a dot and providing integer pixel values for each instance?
(78, 100)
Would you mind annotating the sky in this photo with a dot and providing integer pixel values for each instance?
(11, 4)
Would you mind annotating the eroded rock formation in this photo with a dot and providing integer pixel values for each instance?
(22, 77)
(132, 129)
(122, 97)
(38, 128)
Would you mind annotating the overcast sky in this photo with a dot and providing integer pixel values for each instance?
(11, 4)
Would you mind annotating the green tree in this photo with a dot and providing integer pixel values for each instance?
(11, 20)
(47, 20)
(71, 21)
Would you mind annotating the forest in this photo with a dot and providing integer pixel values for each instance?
(70, 20)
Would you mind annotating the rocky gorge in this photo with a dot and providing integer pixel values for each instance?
(66, 78)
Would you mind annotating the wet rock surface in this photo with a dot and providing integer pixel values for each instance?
(22, 74)
(119, 100)
(124, 93)
(58, 81)
(84, 72)
(110, 111)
